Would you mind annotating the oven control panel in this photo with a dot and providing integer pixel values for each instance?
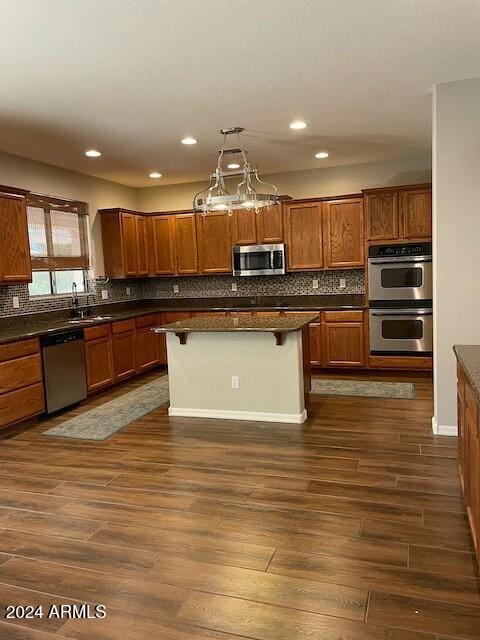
(400, 250)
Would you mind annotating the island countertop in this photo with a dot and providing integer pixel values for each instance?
(283, 324)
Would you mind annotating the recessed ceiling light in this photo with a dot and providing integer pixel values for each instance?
(154, 174)
(93, 153)
(321, 154)
(189, 140)
(298, 124)
(233, 165)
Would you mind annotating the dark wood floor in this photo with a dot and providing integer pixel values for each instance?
(350, 527)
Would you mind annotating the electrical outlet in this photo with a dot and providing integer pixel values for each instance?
(104, 294)
(235, 382)
(234, 286)
(16, 302)
(343, 283)
(128, 291)
(314, 283)
(176, 288)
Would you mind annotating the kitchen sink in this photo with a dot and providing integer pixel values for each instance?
(89, 320)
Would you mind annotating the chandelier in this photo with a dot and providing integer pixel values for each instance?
(250, 192)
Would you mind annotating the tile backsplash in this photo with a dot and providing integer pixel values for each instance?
(190, 287)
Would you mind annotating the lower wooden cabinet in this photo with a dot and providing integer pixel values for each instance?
(99, 363)
(21, 385)
(146, 342)
(343, 344)
(124, 349)
(469, 453)
(315, 333)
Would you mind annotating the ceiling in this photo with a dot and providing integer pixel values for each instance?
(133, 77)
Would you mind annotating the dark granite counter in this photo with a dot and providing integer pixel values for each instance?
(280, 324)
(32, 325)
(469, 357)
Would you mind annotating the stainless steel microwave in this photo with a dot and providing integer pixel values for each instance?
(259, 260)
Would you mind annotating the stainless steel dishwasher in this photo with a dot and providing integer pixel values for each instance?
(63, 358)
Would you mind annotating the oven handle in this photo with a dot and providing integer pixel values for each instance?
(397, 259)
(401, 312)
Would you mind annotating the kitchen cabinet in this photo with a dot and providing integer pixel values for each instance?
(21, 381)
(398, 213)
(315, 335)
(146, 342)
(343, 339)
(99, 357)
(215, 242)
(162, 245)
(244, 226)
(15, 265)
(186, 248)
(124, 349)
(469, 453)
(304, 235)
(344, 240)
(125, 249)
(266, 226)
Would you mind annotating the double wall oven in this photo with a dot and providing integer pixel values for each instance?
(400, 299)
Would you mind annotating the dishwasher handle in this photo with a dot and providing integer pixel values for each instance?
(64, 337)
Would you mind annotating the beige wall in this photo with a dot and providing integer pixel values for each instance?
(456, 233)
(304, 184)
(54, 181)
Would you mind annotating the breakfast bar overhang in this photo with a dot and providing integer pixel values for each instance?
(254, 368)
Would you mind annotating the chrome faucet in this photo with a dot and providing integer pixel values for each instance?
(75, 301)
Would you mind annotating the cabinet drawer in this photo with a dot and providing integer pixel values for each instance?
(92, 333)
(147, 321)
(123, 325)
(19, 349)
(21, 372)
(343, 316)
(21, 404)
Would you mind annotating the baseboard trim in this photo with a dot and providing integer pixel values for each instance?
(443, 429)
(259, 416)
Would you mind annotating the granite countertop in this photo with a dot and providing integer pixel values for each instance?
(469, 357)
(291, 322)
(38, 324)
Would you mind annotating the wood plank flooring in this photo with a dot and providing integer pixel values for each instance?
(349, 527)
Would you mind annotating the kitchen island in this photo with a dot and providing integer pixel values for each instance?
(255, 368)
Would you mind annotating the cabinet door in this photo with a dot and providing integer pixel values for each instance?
(304, 236)
(270, 224)
(142, 246)
(315, 334)
(344, 239)
(147, 349)
(162, 229)
(416, 213)
(244, 223)
(129, 241)
(382, 216)
(214, 243)
(343, 344)
(14, 246)
(99, 363)
(186, 250)
(124, 355)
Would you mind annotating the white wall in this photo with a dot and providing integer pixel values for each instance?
(456, 234)
(330, 181)
(54, 181)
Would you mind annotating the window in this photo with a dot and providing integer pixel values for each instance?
(57, 230)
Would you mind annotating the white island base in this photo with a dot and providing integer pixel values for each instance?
(204, 371)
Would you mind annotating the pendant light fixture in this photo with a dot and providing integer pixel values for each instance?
(250, 192)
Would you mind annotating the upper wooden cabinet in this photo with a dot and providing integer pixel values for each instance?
(15, 263)
(215, 242)
(304, 235)
(415, 207)
(343, 233)
(266, 226)
(173, 244)
(124, 236)
(399, 213)
(186, 249)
